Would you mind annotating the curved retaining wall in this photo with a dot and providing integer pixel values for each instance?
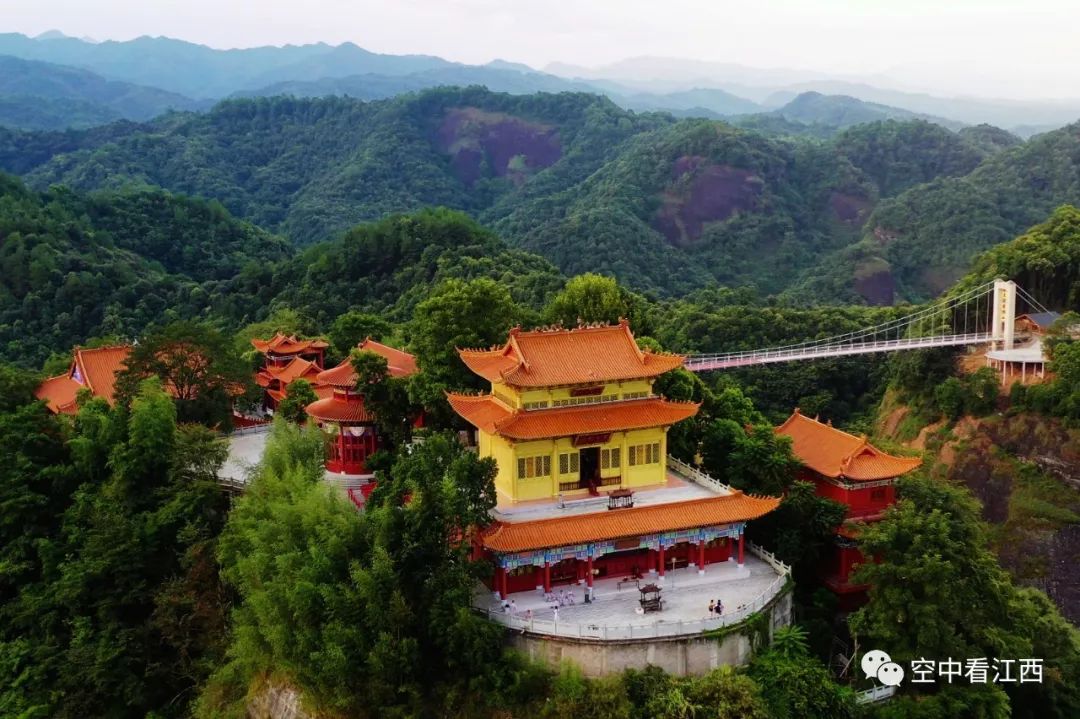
(680, 655)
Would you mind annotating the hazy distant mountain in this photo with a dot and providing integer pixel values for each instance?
(376, 87)
(845, 111)
(714, 102)
(1012, 114)
(667, 74)
(202, 72)
(40, 95)
(775, 87)
(26, 112)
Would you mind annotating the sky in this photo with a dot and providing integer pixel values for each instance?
(989, 48)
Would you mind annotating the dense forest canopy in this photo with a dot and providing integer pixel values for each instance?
(663, 204)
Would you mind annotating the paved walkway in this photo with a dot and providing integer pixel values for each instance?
(686, 596)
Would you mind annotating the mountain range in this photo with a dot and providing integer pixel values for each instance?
(823, 199)
(197, 75)
(663, 204)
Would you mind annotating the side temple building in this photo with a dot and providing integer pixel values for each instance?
(852, 471)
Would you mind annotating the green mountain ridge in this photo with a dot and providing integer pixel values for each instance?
(923, 240)
(663, 204)
(44, 92)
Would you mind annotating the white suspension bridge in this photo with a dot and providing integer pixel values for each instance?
(982, 315)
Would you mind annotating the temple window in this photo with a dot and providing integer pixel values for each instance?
(644, 454)
(592, 399)
(609, 458)
(568, 463)
(539, 466)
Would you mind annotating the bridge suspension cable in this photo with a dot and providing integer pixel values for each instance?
(937, 325)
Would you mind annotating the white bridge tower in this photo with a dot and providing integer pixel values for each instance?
(1004, 319)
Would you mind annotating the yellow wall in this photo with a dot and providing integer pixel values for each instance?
(511, 487)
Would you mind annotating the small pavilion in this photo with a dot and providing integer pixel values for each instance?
(341, 412)
(287, 359)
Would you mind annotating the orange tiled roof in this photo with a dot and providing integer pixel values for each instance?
(296, 368)
(399, 363)
(99, 367)
(834, 453)
(287, 344)
(633, 522)
(95, 369)
(342, 375)
(491, 415)
(59, 393)
(547, 358)
(339, 409)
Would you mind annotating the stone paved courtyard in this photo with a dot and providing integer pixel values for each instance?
(686, 596)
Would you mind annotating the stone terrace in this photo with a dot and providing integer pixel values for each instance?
(613, 613)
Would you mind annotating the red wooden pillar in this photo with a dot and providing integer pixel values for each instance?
(701, 556)
(660, 557)
(341, 448)
(505, 584)
(741, 541)
(589, 572)
(500, 582)
(538, 580)
(547, 576)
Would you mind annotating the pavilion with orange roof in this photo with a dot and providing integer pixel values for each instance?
(850, 470)
(572, 414)
(287, 359)
(93, 369)
(341, 413)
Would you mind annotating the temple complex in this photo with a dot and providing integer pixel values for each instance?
(584, 489)
(91, 369)
(852, 471)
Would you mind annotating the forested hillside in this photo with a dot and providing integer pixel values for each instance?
(109, 264)
(44, 96)
(663, 204)
(923, 240)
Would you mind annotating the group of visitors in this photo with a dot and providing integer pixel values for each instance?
(716, 607)
(565, 597)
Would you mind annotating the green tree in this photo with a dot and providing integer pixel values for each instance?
(298, 395)
(752, 458)
(801, 530)
(593, 298)
(386, 396)
(353, 327)
(951, 397)
(113, 556)
(798, 686)
(938, 591)
(478, 313)
(984, 388)
(198, 365)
